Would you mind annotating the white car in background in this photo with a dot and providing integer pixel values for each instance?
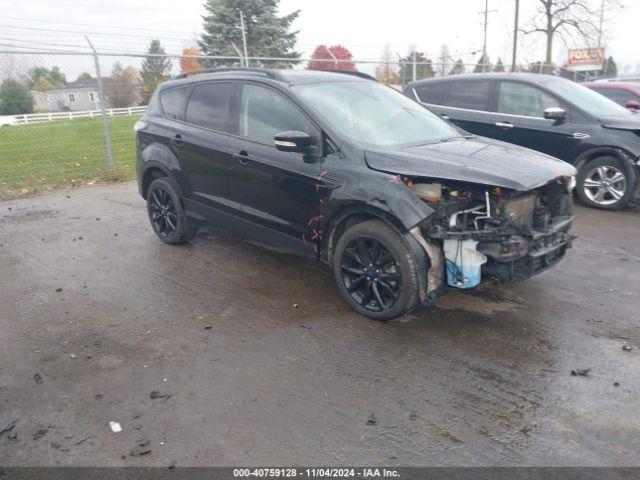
(7, 120)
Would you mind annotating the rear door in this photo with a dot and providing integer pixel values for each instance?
(204, 145)
(467, 103)
(520, 120)
(274, 189)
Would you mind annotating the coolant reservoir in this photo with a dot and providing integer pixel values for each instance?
(464, 263)
(431, 192)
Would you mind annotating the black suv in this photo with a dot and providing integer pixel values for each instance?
(552, 115)
(343, 169)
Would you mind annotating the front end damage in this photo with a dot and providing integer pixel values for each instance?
(477, 232)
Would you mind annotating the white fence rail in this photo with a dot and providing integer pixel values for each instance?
(70, 115)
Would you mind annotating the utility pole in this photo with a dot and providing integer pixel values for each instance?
(244, 40)
(515, 37)
(484, 43)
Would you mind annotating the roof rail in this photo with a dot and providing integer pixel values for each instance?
(355, 73)
(261, 71)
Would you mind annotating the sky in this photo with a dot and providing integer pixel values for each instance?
(364, 27)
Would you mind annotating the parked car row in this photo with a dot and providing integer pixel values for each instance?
(552, 115)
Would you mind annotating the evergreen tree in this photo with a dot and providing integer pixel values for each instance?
(610, 69)
(424, 68)
(483, 65)
(458, 68)
(267, 35)
(154, 70)
(499, 66)
(15, 98)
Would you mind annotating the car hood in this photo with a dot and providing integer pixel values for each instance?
(632, 122)
(476, 160)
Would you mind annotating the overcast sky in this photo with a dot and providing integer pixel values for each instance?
(362, 26)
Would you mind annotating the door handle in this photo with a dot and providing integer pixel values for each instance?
(580, 136)
(444, 116)
(504, 124)
(242, 157)
(177, 139)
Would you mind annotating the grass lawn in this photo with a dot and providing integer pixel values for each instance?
(49, 155)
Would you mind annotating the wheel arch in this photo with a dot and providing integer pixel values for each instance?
(598, 152)
(347, 217)
(152, 171)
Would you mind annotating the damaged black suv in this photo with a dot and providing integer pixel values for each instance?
(338, 167)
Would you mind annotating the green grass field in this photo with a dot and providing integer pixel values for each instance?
(45, 156)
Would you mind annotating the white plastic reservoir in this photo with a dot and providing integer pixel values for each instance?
(464, 263)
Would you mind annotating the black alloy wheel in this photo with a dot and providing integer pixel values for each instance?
(375, 271)
(164, 218)
(167, 217)
(371, 274)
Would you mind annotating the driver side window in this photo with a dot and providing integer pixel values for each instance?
(264, 112)
(524, 100)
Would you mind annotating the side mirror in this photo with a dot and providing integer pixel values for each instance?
(293, 141)
(555, 113)
(633, 105)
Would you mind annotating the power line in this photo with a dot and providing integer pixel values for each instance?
(40, 29)
(48, 22)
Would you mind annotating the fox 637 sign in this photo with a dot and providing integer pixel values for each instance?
(584, 59)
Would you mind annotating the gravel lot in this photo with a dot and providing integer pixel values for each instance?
(106, 314)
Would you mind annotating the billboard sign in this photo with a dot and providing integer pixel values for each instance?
(586, 59)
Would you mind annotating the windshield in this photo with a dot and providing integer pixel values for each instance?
(372, 113)
(588, 100)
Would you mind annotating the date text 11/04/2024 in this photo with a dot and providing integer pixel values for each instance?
(316, 473)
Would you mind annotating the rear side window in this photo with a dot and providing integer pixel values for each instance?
(208, 106)
(264, 112)
(172, 101)
(470, 95)
(431, 92)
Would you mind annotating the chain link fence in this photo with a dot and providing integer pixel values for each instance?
(67, 117)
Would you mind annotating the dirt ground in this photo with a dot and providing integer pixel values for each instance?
(106, 314)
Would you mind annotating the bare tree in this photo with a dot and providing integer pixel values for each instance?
(567, 19)
(387, 72)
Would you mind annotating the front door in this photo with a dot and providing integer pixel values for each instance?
(278, 191)
(520, 120)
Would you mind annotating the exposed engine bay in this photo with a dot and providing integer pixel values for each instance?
(481, 232)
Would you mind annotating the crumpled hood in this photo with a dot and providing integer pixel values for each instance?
(476, 160)
(632, 122)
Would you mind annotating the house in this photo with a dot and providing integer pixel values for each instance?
(75, 96)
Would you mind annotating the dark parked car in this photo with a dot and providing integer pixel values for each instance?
(342, 169)
(551, 115)
(626, 94)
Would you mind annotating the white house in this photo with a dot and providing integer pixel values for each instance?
(74, 96)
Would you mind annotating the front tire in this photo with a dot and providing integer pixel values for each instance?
(375, 271)
(167, 217)
(604, 183)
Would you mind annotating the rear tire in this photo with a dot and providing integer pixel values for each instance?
(167, 217)
(605, 184)
(375, 271)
